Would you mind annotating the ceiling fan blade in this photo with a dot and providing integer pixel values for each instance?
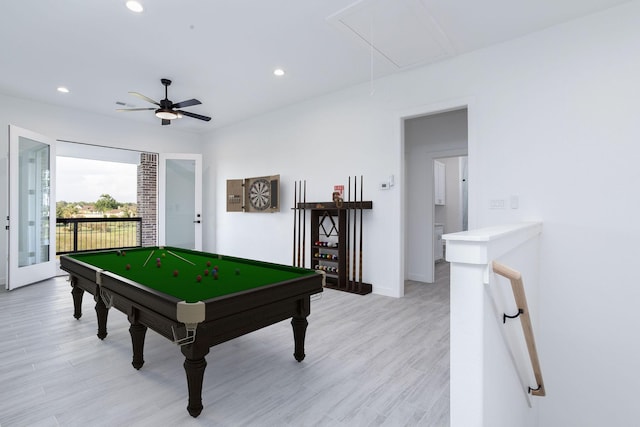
(166, 122)
(187, 103)
(195, 116)
(146, 98)
(134, 109)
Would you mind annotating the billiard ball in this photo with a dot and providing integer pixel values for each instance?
(199, 278)
(158, 264)
(118, 252)
(128, 266)
(164, 255)
(208, 263)
(215, 276)
(206, 272)
(175, 273)
(123, 253)
(237, 271)
(157, 259)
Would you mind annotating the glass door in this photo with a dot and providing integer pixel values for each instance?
(32, 214)
(180, 201)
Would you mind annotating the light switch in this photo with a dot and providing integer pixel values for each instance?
(514, 201)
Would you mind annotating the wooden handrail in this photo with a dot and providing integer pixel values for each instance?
(521, 301)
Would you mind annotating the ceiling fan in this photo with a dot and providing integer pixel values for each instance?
(168, 110)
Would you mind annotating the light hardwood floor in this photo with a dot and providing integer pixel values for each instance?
(371, 361)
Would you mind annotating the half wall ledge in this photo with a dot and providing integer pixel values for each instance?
(483, 245)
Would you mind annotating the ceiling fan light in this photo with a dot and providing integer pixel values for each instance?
(134, 6)
(163, 113)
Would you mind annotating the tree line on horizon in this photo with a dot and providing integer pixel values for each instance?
(104, 204)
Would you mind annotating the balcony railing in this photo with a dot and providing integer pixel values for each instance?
(87, 234)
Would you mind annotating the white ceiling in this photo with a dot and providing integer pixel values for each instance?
(223, 52)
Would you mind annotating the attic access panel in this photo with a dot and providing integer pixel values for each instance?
(402, 32)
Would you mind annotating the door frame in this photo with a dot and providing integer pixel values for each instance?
(429, 110)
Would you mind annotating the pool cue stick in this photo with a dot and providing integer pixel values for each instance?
(295, 207)
(355, 224)
(148, 258)
(360, 250)
(304, 223)
(299, 219)
(179, 257)
(346, 235)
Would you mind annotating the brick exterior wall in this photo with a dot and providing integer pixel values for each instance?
(148, 197)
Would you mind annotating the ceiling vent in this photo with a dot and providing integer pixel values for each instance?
(400, 31)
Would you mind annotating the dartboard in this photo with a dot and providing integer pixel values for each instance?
(260, 194)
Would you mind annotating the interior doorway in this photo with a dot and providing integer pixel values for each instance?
(429, 138)
(451, 205)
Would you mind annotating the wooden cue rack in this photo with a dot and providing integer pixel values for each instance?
(330, 223)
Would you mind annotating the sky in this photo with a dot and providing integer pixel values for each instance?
(83, 180)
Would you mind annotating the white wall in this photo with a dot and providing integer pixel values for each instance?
(78, 126)
(319, 141)
(552, 119)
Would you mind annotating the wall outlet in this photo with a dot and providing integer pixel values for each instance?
(496, 204)
(384, 186)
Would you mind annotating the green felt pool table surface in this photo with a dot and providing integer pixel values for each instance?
(178, 270)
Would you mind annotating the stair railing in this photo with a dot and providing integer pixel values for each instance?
(525, 320)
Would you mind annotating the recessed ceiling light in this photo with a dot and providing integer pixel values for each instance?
(63, 89)
(134, 6)
(278, 72)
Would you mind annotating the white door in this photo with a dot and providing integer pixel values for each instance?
(32, 208)
(180, 201)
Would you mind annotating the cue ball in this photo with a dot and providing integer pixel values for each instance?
(175, 273)
(199, 278)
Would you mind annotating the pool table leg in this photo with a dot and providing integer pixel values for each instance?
(138, 332)
(299, 324)
(77, 294)
(101, 313)
(194, 366)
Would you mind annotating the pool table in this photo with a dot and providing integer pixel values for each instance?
(194, 299)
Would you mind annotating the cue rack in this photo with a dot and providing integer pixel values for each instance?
(336, 236)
